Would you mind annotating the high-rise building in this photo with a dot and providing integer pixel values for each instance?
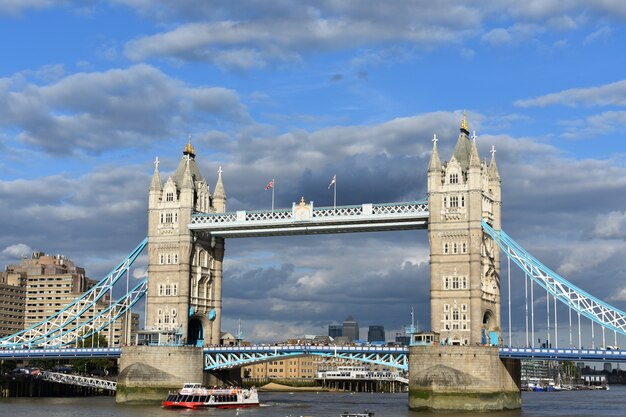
(335, 330)
(48, 284)
(12, 302)
(350, 328)
(376, 333)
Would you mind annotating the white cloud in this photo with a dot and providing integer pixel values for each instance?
(16, 251)
(601, 34)
(595, 125)
(604, 95)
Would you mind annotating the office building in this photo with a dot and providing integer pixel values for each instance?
(335, 330)
(376, 333)
(350, 329)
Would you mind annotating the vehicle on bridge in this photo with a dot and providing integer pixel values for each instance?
(194, 395)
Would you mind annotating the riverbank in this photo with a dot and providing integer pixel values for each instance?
(274, 387)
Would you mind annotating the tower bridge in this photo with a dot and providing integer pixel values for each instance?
(187, 227)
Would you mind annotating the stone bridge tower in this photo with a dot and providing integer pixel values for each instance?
(185, 270)
(464, 263)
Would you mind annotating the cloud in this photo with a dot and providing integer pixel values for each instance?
(18, 250)
(611, 225)
(601, 124)
(604, 95)
(620, 295)
(94, 112)
(17, 7)
(601, 34)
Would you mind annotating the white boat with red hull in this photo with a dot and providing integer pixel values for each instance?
(194, 395)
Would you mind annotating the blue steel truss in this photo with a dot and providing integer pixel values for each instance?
(225, 357)
(67, 326)
(580, 301)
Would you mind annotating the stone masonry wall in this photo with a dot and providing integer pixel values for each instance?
(148, 373)
(462, 378)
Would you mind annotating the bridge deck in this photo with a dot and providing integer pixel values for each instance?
(307, 219)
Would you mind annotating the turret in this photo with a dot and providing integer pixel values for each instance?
(219, 195)
(156, 187)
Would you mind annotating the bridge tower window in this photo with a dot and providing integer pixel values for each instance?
(454, 178)
(169, 196)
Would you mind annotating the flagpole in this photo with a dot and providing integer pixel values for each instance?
(335, 197)
(273, 187)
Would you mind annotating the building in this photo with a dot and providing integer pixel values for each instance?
(185, 286)
(464, 265)
(302, 367)
(299, 368)
(376, 333)
(12, 304)
(350, 329)
(335, 330)
(49, 283)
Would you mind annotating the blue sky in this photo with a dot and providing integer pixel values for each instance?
(92, 91)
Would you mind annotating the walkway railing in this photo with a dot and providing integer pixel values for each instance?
(304, 218)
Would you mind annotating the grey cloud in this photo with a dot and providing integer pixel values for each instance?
(93, 112)
(259, 33)
(611, 225)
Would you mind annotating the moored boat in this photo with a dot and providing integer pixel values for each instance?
(194, 395)
(363, 414)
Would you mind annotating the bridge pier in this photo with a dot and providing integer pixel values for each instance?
(148, 373)
(462, 378)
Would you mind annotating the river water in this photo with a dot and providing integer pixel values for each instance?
(570, 404)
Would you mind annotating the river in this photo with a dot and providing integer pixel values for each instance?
(545, 404)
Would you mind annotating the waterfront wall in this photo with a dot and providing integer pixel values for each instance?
(29, 386)
(462, 378)
(148, 373)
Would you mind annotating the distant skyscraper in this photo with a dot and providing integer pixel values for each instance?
(351, 328)
(335, 330)
(376, 334)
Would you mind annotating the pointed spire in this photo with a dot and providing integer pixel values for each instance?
(474, 160)
(435, 162)
(493, 168)
(219, 195)
(187, 178)
(156, 185)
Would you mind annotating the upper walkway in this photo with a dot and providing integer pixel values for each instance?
(304, 218)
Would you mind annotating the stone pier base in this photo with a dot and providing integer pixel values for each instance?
(462, 378)
(148, 373)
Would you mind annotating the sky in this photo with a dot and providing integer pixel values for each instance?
(91, 92)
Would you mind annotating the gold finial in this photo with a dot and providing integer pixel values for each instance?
(189, 150)
(302, 201)
(464, 121)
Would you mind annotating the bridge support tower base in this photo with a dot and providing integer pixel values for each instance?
(148, 373)
(462, 378)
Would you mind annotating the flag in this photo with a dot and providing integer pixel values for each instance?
(333, 181)
(269, 185)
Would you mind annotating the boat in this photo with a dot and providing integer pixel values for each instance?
(363, 414)
(194, 395)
